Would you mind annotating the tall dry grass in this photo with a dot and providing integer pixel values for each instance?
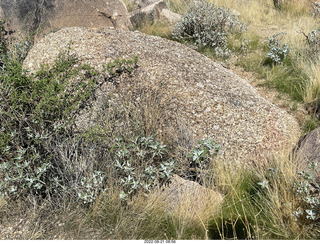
(247, 211)
(294, 19)
(253, 211)
(312, 87)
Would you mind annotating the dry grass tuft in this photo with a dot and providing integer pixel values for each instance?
(252, 210)
(312, 88)
(157, 29)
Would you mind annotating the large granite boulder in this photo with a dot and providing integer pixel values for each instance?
(198, 97)
(44, 16)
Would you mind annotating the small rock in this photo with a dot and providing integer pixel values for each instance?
(147, 14)
(190, 198)
(167, 16)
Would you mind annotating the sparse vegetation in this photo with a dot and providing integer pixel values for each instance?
(277, 51)
(97, 183)
(141, 163)
(206, 25)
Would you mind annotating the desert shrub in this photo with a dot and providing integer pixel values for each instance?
(36, 114)
(201, 156)
(19, 50)
(316, 9)
(307, 189)
(313, 41)
(120, 66)
(44, 153)
(141, 163)
(300, 202)
(206, 25)
(277, 51)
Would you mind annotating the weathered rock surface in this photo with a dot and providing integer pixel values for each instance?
(309, 150)
(188, 198)
(134, 5)
(198, 97)
(43, 16)
(155, 11)
(167, 16)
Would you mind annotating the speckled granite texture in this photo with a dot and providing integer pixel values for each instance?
(197, 94)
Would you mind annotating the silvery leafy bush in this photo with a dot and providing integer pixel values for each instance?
(91, 186)
(207, 25)
(245, 45)
(316, 9)
(307, 189)
(277, 51)
(202, 154)
(141, 163)
(42, 152)
(19, 50)
(313, 41)
(203, 151)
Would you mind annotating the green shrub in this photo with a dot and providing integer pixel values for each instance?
(43, 153)
(36, 115)
(206, 25)
(119, 66)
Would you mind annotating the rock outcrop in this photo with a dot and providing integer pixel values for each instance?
(154, 11)
(44, 16)
(198, 97)
(308, 150)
